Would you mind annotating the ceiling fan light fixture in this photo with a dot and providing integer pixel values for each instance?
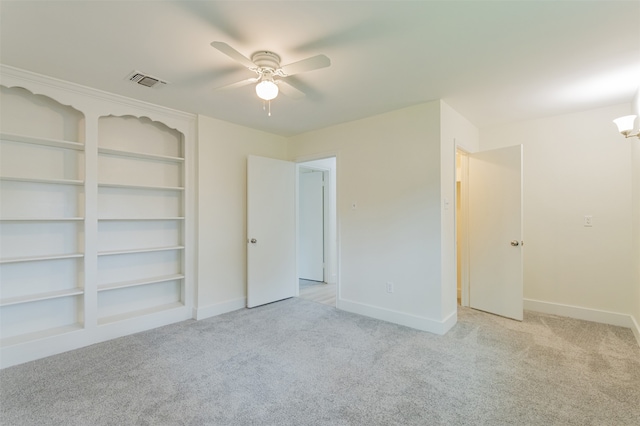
(267, 90)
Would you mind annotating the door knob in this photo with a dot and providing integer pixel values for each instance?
(253, 241)
(515, 243)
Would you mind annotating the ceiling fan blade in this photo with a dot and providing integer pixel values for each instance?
(290, 91)
(233, 54)
(309, 64)
(238, 84)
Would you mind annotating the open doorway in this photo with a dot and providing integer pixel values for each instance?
(317, 239)
(462, 247)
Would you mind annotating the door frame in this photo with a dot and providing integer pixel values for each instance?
(330, 240)
(326, 181)
(462, 244)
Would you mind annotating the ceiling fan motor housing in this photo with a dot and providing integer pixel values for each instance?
(267, 61)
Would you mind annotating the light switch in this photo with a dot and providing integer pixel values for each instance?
(588, 221)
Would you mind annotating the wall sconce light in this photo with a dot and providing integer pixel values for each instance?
(626, 125)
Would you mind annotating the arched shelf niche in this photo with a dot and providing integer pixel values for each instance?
(42, 172)
(39, 116)
(141, 217)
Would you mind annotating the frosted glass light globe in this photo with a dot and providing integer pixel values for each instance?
(625, 124)
(267, 90)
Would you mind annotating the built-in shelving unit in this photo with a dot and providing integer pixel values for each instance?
(94, 218)
(141, 215)
(41, 217)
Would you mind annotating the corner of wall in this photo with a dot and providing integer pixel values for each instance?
(635, 185)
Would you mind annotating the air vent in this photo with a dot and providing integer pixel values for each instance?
(145, 79)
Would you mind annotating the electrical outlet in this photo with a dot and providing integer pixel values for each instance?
(588, 221)
(390, 288)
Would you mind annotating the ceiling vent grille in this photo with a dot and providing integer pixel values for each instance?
(145, 79)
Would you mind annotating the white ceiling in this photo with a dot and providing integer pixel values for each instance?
(493, 61)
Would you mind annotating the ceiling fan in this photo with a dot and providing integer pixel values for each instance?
(270, 73)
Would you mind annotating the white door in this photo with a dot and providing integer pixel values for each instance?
(271, 231)
(311, 226)
(495, 232)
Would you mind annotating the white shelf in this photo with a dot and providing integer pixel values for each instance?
(29, 337)
(41, 219)
(42, 180)
(135, 283)
(139, 313)
(142, 155)
(42, 141)
(134, 219)
(41, 296)
(152, 187)
(40, 258)
(142, 250)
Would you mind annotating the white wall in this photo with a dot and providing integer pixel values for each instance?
(222, 201)
(389, 165)
(635, 161)
(576, 165)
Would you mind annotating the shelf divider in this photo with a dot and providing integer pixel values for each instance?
(141, 250)
(130, 186)
(142, 155)
(135, 283)
(134, 219)
(57, 143)
(40, 258)
(42, 180)
(41, 296)
(41, 219)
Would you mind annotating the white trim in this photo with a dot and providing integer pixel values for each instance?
(636, 329)
(219, 308)
(67, 93)
(332, 275)
(59, 343)
(401, 318)
(587, 314)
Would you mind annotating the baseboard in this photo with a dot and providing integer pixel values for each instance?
(577, 312)
(401, 318)
(219, 308)
(636, 330)
(59, 343)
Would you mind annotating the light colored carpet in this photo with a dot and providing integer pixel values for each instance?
(297, 362)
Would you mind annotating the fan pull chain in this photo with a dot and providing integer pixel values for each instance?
(264, 107)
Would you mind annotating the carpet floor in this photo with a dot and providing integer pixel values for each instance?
(297, 362)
